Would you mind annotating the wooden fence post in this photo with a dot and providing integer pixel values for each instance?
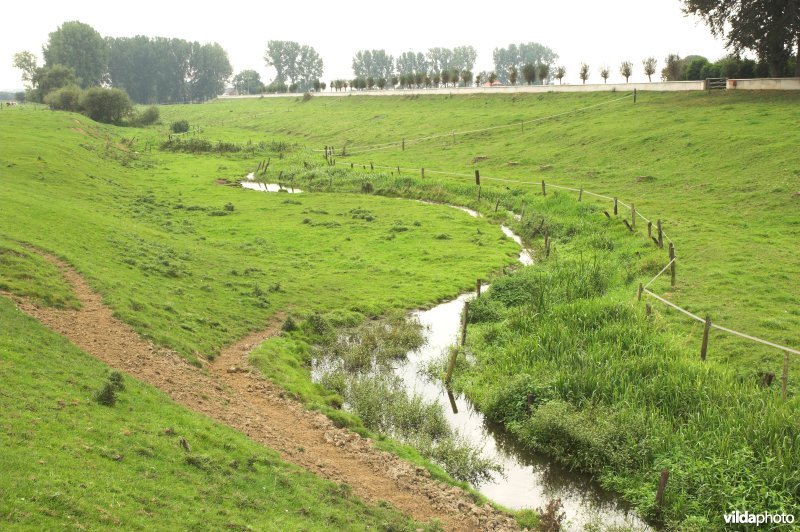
(633, 215)
(403, 145)
(704, 346)
(452, 401)
(649, 229)
(451, 364)
(660, 234)
(497, 205)
(522, 214)
(627, 225)
(662, 486)
(615, 207)
(634, 96)
(639, 292)
(454, 138)
(672, 260)
(371, 166)
(648, 309)
(464, 324)
(477, 177)
(478, 288)
(544, 191)
(580, 195)
(785, 377)
(422, 173)
(398, 171)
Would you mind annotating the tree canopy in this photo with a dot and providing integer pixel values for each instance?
(518, 55)
(248, 82)
(412, 63)
(375, 64)
(298, 64)
(48, 79)
(78, 46)
(770, 28)
(162, 70)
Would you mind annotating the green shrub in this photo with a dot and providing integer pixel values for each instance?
(65, 99)
(107, 395)
(179, 126)
(116, 380)
(289, 325)
(109, 106)
(148, 117)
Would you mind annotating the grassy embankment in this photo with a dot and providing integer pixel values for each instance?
(674, 142)
(615, 394)
(69, 461)
(194, 265)
(720, 170)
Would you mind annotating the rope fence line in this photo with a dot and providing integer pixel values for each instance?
(643, 289)
(670, 263)
(521, 123)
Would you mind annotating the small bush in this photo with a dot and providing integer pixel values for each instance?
(289, 325)
(107, 395)
(229, 207)
(116, 380)
(306, 96)
(149, 116)
(64, 99)
(179, 126)
(109, 106)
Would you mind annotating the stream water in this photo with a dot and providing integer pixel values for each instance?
(529, 480)
(252, 184)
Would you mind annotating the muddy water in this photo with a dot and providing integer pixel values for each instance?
(252, 184)
(529, 480)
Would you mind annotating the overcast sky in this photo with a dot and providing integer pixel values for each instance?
(596, 32)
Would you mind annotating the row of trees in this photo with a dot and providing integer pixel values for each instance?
(150, 70)
(161, 70)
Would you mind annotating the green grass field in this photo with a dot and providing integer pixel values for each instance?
(720, 170)
(194, 264)
(69, 461)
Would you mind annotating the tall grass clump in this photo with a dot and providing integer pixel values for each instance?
(616, 395)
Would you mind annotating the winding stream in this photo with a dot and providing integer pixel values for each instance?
(529, 480)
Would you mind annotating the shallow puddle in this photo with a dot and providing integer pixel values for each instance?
(252, 184)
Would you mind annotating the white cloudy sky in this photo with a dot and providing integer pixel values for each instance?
(596, 32)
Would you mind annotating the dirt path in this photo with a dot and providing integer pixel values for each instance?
(229, 392)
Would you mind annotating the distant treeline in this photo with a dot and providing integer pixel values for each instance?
(149, 69)
(162, 70)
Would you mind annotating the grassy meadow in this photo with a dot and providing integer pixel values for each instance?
(194, 263)
(69, 461)
(719, 169)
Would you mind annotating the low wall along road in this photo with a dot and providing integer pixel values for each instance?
(659, 86)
